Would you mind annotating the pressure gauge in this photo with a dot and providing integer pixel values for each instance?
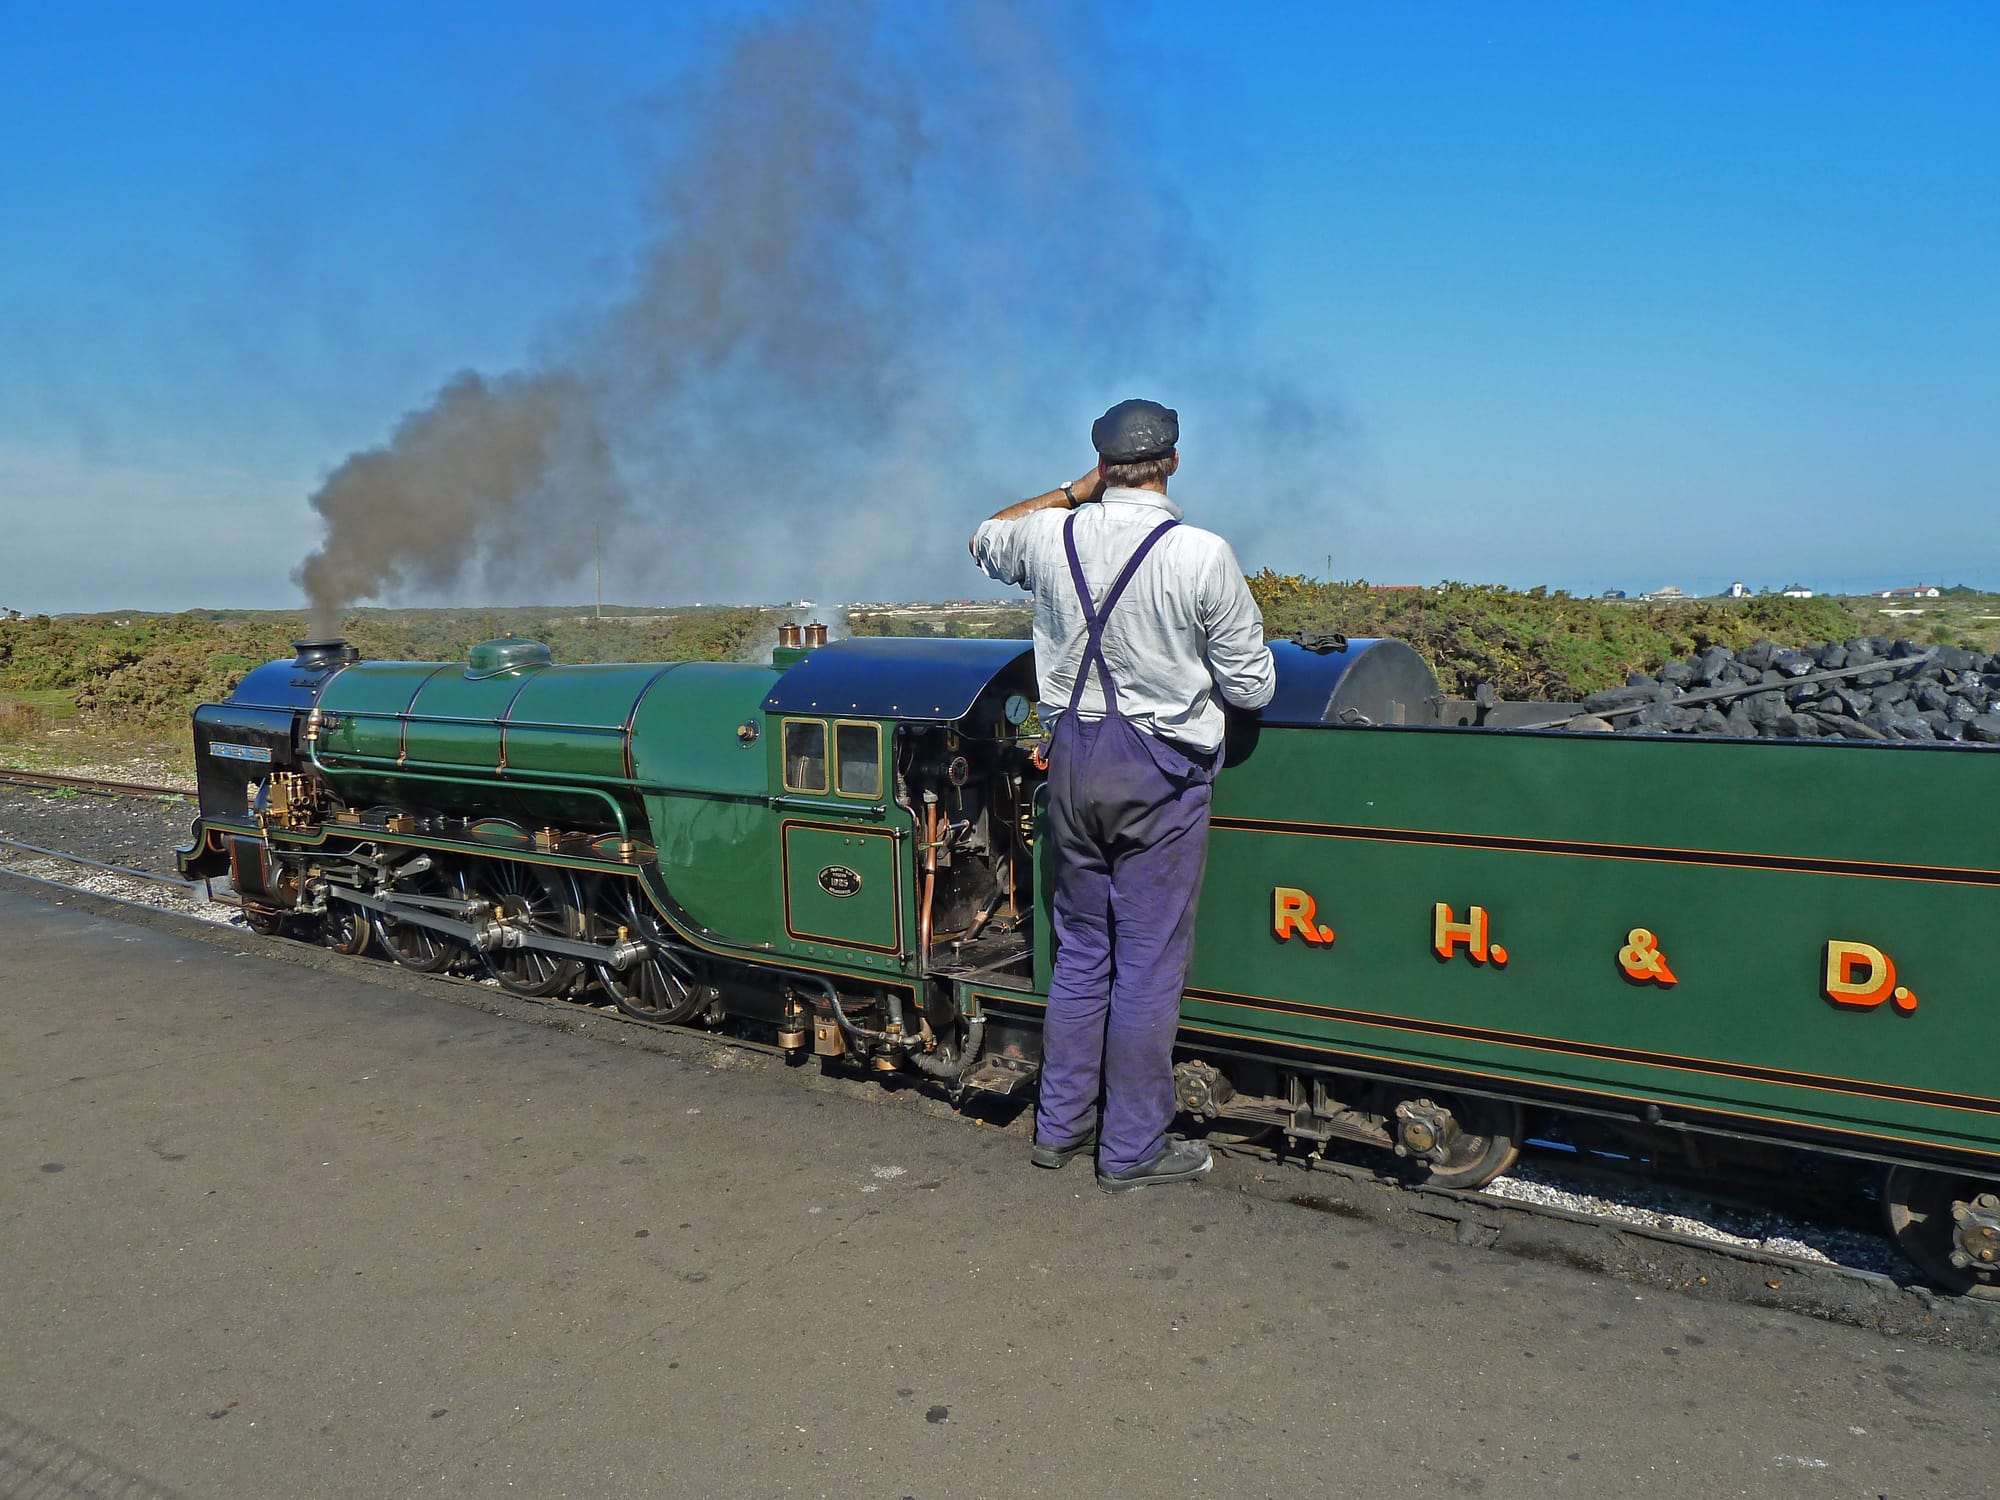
(1017, 710)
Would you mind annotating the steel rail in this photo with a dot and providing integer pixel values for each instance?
(42, 852)
(52, 781)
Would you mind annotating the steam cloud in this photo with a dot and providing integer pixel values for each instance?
(878, 255)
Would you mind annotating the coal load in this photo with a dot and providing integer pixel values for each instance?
(1871, 688)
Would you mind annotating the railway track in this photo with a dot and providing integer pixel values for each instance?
(173, 882)
(1474, 1215)
(96, 785)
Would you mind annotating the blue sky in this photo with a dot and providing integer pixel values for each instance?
(1589, 296)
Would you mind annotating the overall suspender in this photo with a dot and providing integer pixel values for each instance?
(1095, 618)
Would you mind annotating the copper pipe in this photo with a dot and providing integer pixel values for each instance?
(930, 877)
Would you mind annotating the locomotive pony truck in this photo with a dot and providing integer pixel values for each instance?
(1417, 924)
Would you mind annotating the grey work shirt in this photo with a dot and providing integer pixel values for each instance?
(1185, 632)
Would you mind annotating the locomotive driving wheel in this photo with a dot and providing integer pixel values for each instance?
(536, 899)
(1949, 1224)
(420, 948)
(659, 987)
(344, 929)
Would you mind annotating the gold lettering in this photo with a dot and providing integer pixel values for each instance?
(1448, 933)
(1861, 976)
(1293, 911)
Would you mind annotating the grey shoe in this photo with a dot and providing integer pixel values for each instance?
(1180, 1160)
(1052, 1156)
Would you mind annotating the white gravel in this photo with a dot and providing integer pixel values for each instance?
(125, 888)
(1650, 1207)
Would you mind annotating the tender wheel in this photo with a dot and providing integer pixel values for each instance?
(1949, 1225)
(344, 929)
(660, 988)
(1458, 1143)
(540, 900)
(420, 948)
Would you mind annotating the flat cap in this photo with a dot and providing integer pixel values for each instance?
(1133, 431)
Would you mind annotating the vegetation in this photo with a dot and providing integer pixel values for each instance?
(137, 677)
(76, 679)
(981, 622)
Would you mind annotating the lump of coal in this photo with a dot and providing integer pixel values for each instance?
(1707, 668)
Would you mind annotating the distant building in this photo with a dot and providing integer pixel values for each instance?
(1796, 591)
(1737, 591)
(1614, 593)
(1666, 593)
(1914, 591)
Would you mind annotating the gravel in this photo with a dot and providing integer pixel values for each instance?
(1646, 1206)
(141, 832)
(59, 757)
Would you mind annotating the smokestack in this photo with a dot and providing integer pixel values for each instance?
(322, 653)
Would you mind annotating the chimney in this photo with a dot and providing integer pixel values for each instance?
(324, 653)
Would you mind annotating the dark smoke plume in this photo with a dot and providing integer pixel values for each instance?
(896, 262)
(491, 473)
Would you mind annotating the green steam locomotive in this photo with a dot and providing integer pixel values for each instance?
(1420, 921)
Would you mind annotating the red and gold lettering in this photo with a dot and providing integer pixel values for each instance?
(1641, 959)
(1862, 976)
(1447, 933)
(1293, 911)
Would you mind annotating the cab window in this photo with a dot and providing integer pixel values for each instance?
(805, 755)
(858, 758)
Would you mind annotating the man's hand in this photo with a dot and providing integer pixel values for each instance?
(1087, 489)
(1091, 485)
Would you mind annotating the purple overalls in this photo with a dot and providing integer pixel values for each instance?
(1128, 817)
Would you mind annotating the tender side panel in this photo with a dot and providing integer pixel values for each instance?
(1695, 923)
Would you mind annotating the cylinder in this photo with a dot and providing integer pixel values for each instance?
(788, 637)
(815, 635)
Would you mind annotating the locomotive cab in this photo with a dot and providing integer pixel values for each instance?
(903, 775)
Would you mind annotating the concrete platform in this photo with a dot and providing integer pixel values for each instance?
(274, 1230)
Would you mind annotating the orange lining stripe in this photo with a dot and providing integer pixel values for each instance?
(1718, 858)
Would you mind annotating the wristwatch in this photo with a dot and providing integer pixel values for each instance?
(1069, 493)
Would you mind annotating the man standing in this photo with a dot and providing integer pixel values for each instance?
(1141, 625)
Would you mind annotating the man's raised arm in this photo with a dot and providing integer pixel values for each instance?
(1081, 492)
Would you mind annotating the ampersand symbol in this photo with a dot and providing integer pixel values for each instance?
(1641, 958)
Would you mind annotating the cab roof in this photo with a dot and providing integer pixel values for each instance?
(898, 677)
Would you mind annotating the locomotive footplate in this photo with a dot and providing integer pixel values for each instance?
(1001, 1075)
